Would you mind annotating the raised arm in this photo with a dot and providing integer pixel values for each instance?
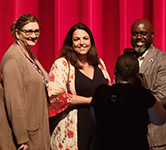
(157, 114)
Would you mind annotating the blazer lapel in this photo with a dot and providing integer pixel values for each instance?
(149, 59)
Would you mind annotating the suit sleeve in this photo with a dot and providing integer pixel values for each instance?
(160, 83)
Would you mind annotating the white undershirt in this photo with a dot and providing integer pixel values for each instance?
(140, 59)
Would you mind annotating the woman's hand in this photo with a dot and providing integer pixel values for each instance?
(23, 147)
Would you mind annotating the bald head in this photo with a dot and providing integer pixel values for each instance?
(141, 35)
(143, 22)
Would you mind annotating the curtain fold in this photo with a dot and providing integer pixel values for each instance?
(109, 20)
(159, 24)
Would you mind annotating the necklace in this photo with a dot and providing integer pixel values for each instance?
(34, 63)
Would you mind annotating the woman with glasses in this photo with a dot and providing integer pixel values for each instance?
(23, 82)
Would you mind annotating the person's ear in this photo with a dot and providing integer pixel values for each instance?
(17, 34)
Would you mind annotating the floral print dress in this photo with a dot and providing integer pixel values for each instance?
(61, 87)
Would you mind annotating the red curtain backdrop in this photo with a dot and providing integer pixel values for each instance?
(109, 21)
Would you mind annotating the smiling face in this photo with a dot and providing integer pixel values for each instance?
(28, 35)
(141, 35)
(81, 42)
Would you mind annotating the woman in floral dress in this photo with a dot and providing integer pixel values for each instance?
(73, 78)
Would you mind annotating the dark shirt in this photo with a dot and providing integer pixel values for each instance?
(86, 126)
(122, 117)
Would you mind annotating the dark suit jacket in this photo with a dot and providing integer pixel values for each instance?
(154, 68)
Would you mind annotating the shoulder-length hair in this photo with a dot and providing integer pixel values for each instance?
(69, 53)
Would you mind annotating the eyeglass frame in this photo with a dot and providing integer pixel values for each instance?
(30, 32)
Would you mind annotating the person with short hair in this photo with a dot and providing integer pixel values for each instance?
(152, 62)
(123, 111)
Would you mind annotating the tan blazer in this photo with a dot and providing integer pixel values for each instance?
(25, 101)
(154, 68)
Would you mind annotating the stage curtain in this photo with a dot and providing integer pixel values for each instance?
(109, 20)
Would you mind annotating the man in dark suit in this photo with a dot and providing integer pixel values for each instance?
(152, 64)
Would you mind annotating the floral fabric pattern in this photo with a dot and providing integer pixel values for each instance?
(61, 87)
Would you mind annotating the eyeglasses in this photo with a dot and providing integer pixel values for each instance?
(30, 32)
